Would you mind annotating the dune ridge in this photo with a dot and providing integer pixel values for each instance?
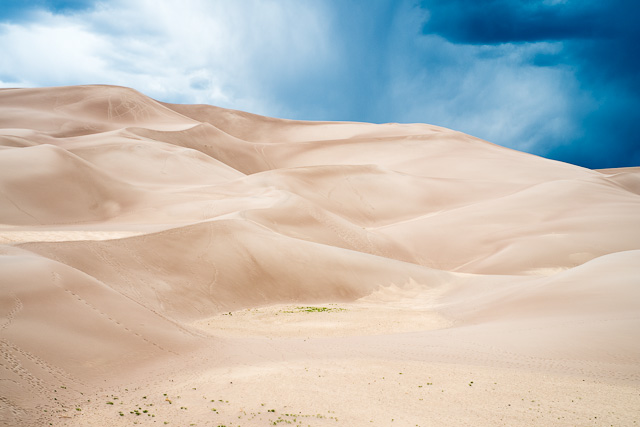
(148, 246)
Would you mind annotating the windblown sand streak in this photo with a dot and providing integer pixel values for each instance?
(215, 267)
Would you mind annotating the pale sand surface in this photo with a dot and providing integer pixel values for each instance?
(213, 267)
(11, 236)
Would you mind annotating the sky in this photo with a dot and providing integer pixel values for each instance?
(555, 78)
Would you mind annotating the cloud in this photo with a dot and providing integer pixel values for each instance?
(482, 93)
(490, 91)
(24, 11)
(592, 72)
(222, 53)
(37, 52)
(508, 21)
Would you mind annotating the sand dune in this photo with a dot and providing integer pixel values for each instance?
(215, 267)
(200, 270)
(48, 185)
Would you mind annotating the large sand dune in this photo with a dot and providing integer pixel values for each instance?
(192, 265)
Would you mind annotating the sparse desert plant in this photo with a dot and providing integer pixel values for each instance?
(311, 309)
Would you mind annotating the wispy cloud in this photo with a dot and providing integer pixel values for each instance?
(585, 94)
(223, 53)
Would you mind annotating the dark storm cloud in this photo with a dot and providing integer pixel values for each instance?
(508, 21)
(599, 42)
(600, 36)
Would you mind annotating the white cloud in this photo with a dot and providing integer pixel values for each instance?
(55, 51)
(492, 92)
(195, 51)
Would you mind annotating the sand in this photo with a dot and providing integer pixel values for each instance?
(166, 264)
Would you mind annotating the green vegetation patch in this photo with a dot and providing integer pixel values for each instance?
(310, 309)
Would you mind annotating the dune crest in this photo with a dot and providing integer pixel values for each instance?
(147, 246)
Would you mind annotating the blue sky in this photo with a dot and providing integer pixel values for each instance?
(557, 78)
